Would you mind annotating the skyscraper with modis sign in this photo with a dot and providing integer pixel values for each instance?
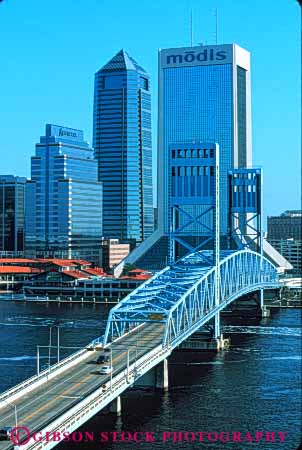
(204, 96)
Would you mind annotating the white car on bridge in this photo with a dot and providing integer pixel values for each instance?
(105, 370)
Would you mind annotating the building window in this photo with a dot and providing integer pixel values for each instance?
(145, 83)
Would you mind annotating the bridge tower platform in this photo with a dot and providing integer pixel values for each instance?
(199, 343)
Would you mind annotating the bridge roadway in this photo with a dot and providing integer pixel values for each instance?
(45, 403)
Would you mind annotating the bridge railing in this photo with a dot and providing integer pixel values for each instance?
(56, 369)
(78, 414)
(31, 383)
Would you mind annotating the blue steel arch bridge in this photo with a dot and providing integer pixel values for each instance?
(144, 328)
(184, 297)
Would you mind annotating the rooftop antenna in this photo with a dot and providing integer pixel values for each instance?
(191, 28)
(216, 26)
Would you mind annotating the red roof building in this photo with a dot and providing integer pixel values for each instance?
(18, 269)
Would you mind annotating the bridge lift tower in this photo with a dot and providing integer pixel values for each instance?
(245, 227)
(194, 210)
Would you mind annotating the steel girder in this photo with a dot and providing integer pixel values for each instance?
(183, 296)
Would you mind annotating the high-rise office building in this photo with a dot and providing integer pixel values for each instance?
(123, 148)
(284, 233)
(64, 198)
(286, 226)
(204, 96)
(12, 202)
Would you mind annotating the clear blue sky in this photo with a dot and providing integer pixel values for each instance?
(50, 51)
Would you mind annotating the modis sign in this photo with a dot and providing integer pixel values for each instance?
(196, 56)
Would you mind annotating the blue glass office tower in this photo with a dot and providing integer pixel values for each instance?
(64, 198)
(123, 148)
(204, 96)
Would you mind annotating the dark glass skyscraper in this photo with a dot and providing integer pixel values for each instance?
(123, 148)
(64, 198)
(12, 203)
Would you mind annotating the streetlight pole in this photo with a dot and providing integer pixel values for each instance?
(38, 360)
(14, 406)
(49, 347)
(111, 369)
(128, 358)
(58, 344)
(135, 352)
(16, 418)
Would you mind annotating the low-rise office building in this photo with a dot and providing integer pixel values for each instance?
(113, 252)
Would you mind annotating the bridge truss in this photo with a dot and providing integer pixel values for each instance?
(184, 296)
(194, 289)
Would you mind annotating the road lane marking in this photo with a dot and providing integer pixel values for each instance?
(70, 396)
(43, 407)
(74, 386)
(146, 338)
(84, 369)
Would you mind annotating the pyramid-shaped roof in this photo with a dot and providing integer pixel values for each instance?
(122, 61)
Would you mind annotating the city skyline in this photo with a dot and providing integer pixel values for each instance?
(272, 85)
(117, 116)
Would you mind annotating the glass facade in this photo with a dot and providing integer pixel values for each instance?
(64, 198)
(241, 108)
(203, 97)
(198, 107)
(12, 204)
(123, 148)
(286, 226)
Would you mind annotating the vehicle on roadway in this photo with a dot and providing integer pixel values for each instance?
(5, 433)
(103, 358)
(105, 370)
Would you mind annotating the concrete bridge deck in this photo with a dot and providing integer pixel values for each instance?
(45, 403)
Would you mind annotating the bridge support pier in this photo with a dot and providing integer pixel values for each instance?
(222, 343)
(217, 325)
(116, 406)
(162, 381)
(261, 299)
(265, 312)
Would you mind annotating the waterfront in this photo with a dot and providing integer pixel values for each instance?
(255, 386)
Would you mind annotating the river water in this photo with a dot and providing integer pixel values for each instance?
(254, 386)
